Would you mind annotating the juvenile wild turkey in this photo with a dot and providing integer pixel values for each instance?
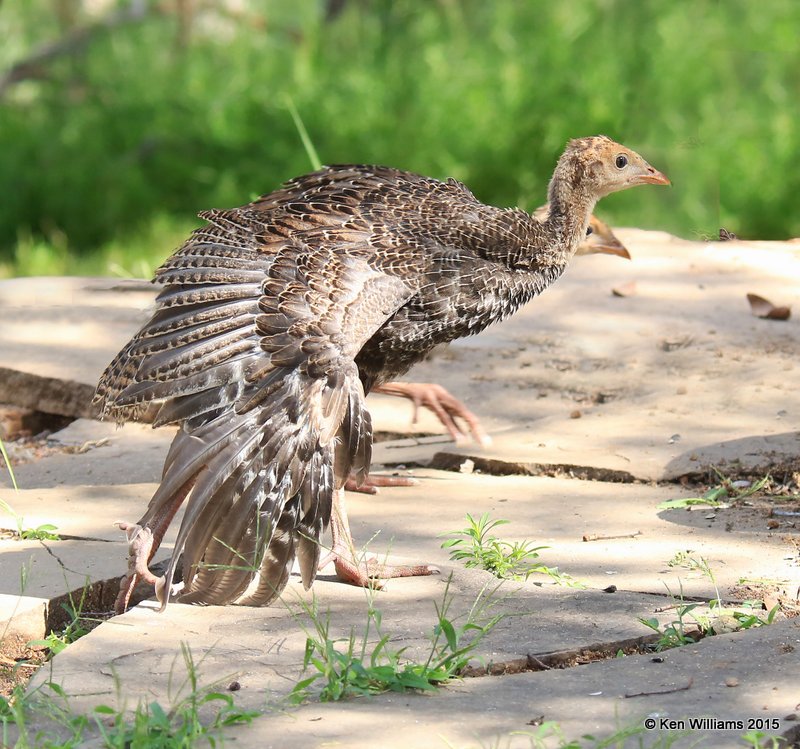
(277, 317)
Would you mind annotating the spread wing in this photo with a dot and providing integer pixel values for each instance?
(251, 350)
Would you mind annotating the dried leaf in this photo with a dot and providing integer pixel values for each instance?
(627, 289)
(766, 310)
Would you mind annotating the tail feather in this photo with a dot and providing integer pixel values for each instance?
(201, 275)
(198, 332)
(187, 296)
(276, 564)
(184, 359)
(189, 453)
(316, 499)
(221, 570)
(263, 488)
(169, 358)
(202, 255)
(222, 549)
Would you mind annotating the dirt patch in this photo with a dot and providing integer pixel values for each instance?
(783, 481)
(30, 449)
(773, 593)
(18, 662)
(19, 659)
(17, 422)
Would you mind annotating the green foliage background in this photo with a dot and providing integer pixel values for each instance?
(106, 154)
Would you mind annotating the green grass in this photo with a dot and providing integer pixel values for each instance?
(44, 532)
(106, 156)
(45, 718)
(356, 666)
(476, 546)
(366, 664)
(73, 630)
(691, 622)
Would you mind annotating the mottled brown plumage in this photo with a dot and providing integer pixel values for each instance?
(600, 240)
(277, 317)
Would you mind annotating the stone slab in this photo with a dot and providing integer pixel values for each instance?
(42, 581)
(85, 494)
(671, 380)
(679, 369)
(556, 512)
(590, 699)
(25, 616)
(138, 656)
(57, 335)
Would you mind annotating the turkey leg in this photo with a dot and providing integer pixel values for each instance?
(143, 542)
(363, 572)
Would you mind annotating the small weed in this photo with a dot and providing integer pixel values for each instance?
(308, 144)
(751, 619)
(43, 532)
(477, 547)
(9, 468)
(675, 634)
(682, 559)
(727, 489)
(761, 740)
(721, 619)
(762, 581)
(355, 667)
(75, 628)
(152, 725)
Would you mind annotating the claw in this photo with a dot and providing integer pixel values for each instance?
(371, 483)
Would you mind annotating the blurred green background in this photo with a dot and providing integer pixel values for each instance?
(120, 120)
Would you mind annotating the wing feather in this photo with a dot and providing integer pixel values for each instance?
(256, 361)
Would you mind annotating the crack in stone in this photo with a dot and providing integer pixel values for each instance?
(562, 659)
(59, 560)
(453, 461)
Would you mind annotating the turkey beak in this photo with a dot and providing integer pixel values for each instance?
(652, 177)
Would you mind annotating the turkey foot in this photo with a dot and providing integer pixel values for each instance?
(143, 543)
(446, 407)
(366, 573)
(140, 549)
(372, 483)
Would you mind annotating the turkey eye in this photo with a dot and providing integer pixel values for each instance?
(589, 231)
(621, 161)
